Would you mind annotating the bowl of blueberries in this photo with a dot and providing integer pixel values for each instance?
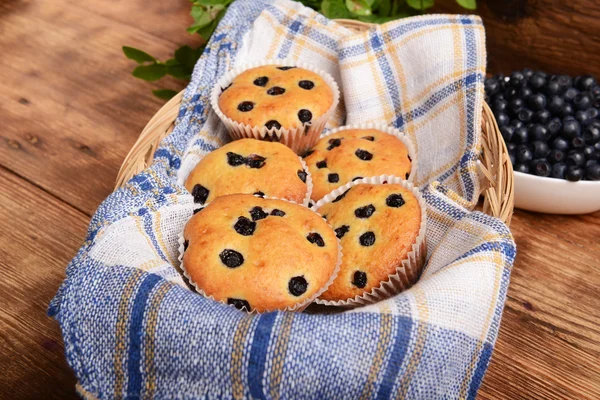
(551, 126)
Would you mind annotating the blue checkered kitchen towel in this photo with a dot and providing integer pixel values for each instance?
(132, 330)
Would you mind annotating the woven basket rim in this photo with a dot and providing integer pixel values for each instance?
(496, 171)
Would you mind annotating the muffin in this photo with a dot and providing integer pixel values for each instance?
(349, 154)
(378, 226)
(259, 254)
(281, 103)
(252, 167)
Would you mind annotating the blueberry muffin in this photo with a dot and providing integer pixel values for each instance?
(353, 154)
(259, 254)
(249, 166)
(276, 97)
(377, 226)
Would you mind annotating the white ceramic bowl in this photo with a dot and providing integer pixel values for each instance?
(556, 196)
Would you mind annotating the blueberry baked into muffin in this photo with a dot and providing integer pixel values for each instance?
(377, 224)
(252, 167)
(353, 154)
(276, 97)
(259, 254)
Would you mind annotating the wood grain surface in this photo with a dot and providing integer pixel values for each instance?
(70, 112)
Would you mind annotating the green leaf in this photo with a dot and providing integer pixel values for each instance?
(335, 9)
(187, 56)
(358, 7)
(180, 71)
(385, 8)
(468, 4)
(420, 4)
(150, 72)
(171, 61)
(201, 18)
(165, 94)
(137, 55)
(212, 2)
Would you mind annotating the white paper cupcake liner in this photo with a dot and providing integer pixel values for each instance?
(298, 139)
(408, 273)
(412, 153)
(298, 307)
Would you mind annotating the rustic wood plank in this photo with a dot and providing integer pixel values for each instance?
(39, 234)
(70, 107)
(555, 36)
(549, 342)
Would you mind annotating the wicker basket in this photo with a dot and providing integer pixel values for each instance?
(497, 188)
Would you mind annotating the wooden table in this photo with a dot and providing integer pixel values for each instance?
(69, 113)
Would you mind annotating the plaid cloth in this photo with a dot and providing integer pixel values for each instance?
(131, 330)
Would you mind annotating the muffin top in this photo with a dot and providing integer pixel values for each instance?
(249, 166)
(353, 154)
(376, 225)
(276, 97)
(259, 254)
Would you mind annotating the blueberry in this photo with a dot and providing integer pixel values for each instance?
(235, 159)
(560, 144)
(516, 123)
(570, 94)
(575, 158)
(333, 178)
(577, 142)
(394, 200)
(364, 212)
(556, 156)
(363, 155)
(304, 116)
(556, 104)
(275, 91)
(525, 115)
(334, 143)
(552, 88)
(589, 163)
(285, 68)
(307, 85)
(521, 136)
(341, 231)
(273, 124)
(262, 81)
(588, 152)
(513, 157)
(540, 149)
(567, 110)
(591, 134)
(322, 164)
(369, 138)
(297, 285)
(541, 168)
(586, 82)
(257, 214)
(200, 193)
(359, 279)
(507, 132)
(315, 238)
(239, 304)
(593, 172)
(592, 113)
(516, 105)
(255, 161)
(554, 126)
(574, 173)
(582, 117)
(245, 106)
(341, 196)
(502, 119)
(231, 258)
(517, 79)
(302, 175)
(542, 116)
(537, 81)
(527, 73)
(559, 170)
(511, 147)
(538, 132)
(582, 101)
(491, 86)
(278, 213)
(367, 239)
(521, 168)
(499, 106)
(564, 81)
(537, 102)
(525, 92)
(570, 129)
(244, 226)
(524, 155)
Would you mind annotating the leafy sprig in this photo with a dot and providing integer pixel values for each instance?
(207, 14)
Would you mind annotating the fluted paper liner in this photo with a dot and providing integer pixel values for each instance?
(410, 269)
(391, 131)
(298, 139)
(298, 307)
